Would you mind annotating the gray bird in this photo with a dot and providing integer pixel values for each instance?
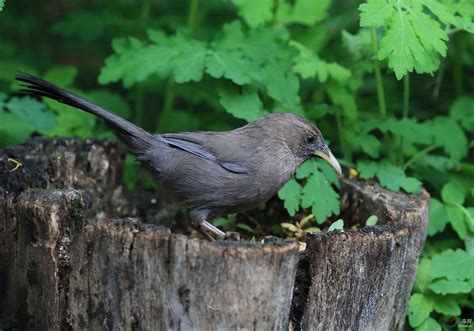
(212, 173)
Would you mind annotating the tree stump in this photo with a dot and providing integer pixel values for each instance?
(76, 254)
(361, 279)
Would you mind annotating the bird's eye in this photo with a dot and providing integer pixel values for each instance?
(310, 139)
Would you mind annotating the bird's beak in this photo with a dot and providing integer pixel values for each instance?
(327, 155)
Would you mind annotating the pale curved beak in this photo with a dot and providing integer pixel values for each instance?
(326, 154)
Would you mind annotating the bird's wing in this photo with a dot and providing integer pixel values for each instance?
(197, 143)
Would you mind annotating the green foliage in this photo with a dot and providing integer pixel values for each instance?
(444, 280)
(414, 39)
(317, 194)
(390, 176)
(338, 225)
(21, 117)
(371, 221)
(220, 64)
(2, 4)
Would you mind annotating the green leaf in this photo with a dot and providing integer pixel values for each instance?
(283, 86)
(456, 219)
(469, 242)
(231, 65)
(440, 10)
(450, 136)
(419, 309)
(429, 324)
(246, 106)
(400, 46)
(453, 193)
(394, 178)
(255, 13)
(320, 196)
(329, 172)
(438, 218)
(454, 265)
(290, 193)
(63, 76)
(306, 169)
(307, 12)
(32, 112)
(245, 227)
(390, 177)
(13, 129)
(341, 97)
(190, 62)
(404, 129)
(375, 13)
(338, 225)
(2, 4)
(367, 143)
(423, 277)
(444, 286)
(221, 221)
(446, 305)
(413, 40)
(462, 111)
(366, 169)
(371, 221)
(309, 65)
(359, 45)
(71, 122)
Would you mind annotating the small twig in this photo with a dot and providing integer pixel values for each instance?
(17, 164)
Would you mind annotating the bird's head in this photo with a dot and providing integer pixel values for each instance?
(305, 139)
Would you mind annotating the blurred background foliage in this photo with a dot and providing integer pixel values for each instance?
(389, 83)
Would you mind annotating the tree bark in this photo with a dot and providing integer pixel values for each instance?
(75, 254)
(63, 269)
(361, 279)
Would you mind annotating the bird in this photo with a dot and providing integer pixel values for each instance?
(211, 173)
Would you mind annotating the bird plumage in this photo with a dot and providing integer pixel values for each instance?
(211, 173)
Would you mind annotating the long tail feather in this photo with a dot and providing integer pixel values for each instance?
(136, 139)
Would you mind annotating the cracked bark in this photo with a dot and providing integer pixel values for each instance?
(75, 255)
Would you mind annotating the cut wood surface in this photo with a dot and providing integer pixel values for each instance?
(76, 254)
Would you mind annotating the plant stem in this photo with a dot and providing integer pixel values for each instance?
(192, 16)
(140, 92)
(346, 152)
(139, 110)
(378, 77)
(145, 12)
(424, 151)
(169, 91)
(167, 105)
(467, 168)
(457, 70)
(406, 95)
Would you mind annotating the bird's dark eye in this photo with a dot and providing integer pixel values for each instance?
(309, 139)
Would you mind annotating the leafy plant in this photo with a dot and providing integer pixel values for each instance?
(299, 229)
(385, 84)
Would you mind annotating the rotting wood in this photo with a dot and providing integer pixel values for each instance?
(74, 255)
(361, 279)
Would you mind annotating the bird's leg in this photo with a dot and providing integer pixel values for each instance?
(198, 217)
(209, 227)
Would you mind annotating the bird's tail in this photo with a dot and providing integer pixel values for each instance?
(135, 138)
